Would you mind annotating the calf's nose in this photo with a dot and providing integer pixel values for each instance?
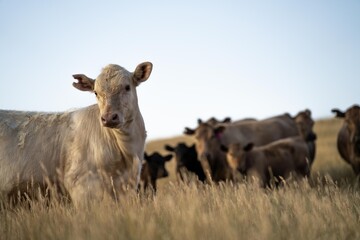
(110, 119)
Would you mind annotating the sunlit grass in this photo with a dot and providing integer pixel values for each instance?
(179, 211)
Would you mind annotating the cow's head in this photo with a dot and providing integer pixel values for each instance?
(184, 155)
(156, 164)
(305, 125)
(115, 90)
(352, 124)
(208, 140)
(237, 156)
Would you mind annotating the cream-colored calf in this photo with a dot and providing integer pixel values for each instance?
(92, 152)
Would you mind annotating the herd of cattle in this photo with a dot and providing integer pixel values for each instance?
(265, 150)
(98, 151)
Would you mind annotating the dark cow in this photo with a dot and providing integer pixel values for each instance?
(348, 140)
(154, 168)
(187, 160)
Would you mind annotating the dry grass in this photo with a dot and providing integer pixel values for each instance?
(327, 208)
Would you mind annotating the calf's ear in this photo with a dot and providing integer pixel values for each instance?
(169, 148)
(189, 131)
(167, 157)
(142, 72)
(84, 83)
(338, 113)
(248, 147)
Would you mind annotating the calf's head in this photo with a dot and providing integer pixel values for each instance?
(236, 156)
(156, 165)
(115, 90)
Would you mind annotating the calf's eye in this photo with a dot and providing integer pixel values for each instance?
(127, 88)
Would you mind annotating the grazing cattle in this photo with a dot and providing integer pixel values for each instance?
(92, 153)
(277, 159)
(154, 168)
(187, 160)
(210, 138)
(348, 140)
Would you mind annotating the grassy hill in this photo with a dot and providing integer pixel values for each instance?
(328, 208)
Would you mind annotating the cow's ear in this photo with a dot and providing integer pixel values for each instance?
(142, 72)
(84, 83)
(308, 112)
(189, 131)
(248, 147)
(224, 148)
(338, 113)
(169, 148)
(167, 157)
(218, 131)
(227, 120)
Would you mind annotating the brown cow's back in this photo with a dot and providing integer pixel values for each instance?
(260, 132)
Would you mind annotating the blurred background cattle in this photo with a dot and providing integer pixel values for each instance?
(348, 139)
(211, 136)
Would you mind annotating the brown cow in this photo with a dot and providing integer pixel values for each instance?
(277, 159)
(153, 169)
(348, 140)
(92, 153)
(210, 138)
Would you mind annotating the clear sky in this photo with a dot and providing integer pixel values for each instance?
(211, 58)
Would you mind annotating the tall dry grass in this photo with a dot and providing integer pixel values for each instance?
(326, 207)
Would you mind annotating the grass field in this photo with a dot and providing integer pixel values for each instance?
(326, 207)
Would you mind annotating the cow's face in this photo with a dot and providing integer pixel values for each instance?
(352, 119)
(208, 141)
(305, 125)
(156, 163)
(115, 90)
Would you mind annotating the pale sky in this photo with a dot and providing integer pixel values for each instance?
(211, 58)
